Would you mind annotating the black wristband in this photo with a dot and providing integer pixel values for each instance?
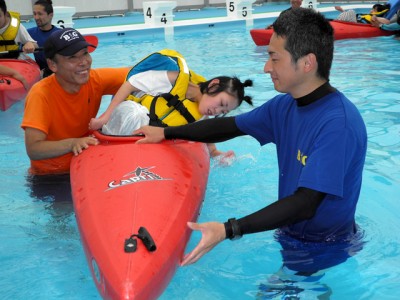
(228, 230)
(236, 232)
(167, 133)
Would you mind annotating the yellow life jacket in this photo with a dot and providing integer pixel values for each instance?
(368, 18)
(173, 108)
(7, 39)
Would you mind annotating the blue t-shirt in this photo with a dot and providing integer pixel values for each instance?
(320, 146)
(40, 37)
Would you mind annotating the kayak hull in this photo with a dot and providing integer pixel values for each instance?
(12, 90)
(342, 30)
(118, 187)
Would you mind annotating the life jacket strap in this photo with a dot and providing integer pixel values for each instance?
(7, 42)
(173, 100)
(10, 54)
(154, 119)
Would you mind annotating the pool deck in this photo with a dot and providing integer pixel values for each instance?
(207, 16)
(190, 18)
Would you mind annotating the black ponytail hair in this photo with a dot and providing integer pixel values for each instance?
(231, 85)
(381, 7)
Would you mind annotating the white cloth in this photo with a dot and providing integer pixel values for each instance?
(126, 117)
(151, 82)
(348, 16)
(129, 115)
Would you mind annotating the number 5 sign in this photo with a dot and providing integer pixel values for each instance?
(239, 9)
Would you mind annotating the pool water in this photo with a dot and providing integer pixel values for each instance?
(41, 256)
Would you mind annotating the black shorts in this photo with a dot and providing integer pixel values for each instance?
(50, 187)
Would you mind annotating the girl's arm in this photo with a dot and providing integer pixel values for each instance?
(124, 91)
(221, 158)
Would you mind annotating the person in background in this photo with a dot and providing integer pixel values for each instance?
(391, 25)
(13, 35)
(59, 108)
(321, 143)
(293, 4)
(200, 98)
(4, 70)
(43, 15)
(351, 16)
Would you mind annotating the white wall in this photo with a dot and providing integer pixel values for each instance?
(93, 5)
(138, 4)
(24, 7)
(217, 2)
(191, 2)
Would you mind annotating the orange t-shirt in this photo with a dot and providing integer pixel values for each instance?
(62, 115)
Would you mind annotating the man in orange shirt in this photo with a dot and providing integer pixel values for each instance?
(59, 108)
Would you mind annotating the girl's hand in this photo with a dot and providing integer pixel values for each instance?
(224, 159)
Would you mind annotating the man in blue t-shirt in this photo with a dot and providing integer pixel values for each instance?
(321, 143)
(43, 15)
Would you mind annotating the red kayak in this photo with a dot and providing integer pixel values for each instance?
(12, 90)
(132, 204)
(342, 30)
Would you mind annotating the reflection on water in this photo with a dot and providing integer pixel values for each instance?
(55, 193)
(304, 266)
(286, 284)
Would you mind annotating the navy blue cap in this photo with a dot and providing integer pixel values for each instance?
(66, 42)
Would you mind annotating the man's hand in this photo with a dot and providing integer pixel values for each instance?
(152, 135)
(80, 144)
(212, 234)
(38, 147)
(29, 47)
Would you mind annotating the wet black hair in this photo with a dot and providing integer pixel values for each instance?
(381, 7)
(307, 31)
(3, 6)
(231, 85)
(47, 4)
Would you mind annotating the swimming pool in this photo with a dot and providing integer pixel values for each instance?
(41, 255)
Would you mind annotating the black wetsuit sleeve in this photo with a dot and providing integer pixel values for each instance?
(300, 206)
(207, 131)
